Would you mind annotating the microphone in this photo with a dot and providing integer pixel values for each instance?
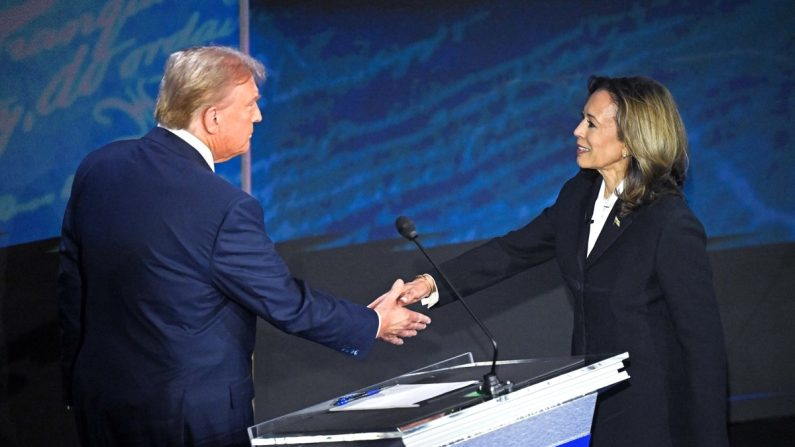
(491, 386)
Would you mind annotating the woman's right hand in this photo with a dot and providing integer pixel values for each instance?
(415, 290)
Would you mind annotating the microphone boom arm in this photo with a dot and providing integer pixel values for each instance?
(466, 307)
(491, 386)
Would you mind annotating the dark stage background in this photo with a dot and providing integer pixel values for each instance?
(456, 113)
(530, 315)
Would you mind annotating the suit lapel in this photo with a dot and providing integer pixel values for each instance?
(585, 228)
(612, 229)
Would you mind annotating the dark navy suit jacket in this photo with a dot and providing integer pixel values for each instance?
(645, 288)
(164, 269)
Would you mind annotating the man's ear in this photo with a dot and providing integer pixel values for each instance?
(210, 120)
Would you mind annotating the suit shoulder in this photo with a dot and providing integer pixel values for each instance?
(672, 209)
(110, 149)
(583, 181)
(671, 204)
(103, 156)
(236, 196)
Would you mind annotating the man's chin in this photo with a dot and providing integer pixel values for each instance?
(229, 157)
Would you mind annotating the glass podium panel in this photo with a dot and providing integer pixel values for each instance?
(538, 385)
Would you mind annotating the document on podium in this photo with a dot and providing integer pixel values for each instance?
(396, 396)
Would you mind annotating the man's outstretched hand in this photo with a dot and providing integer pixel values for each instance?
(397, 322)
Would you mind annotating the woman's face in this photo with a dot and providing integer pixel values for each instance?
(598, 146)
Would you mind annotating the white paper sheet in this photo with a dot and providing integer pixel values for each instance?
(402, 396)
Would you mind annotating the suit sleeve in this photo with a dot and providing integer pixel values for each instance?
(70, 295)
(685, 276)
(501, 257)
(247, 269)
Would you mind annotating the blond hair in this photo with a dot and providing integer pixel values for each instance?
(199, 77)
(650, 126)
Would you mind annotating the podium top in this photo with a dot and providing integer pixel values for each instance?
(551, 381)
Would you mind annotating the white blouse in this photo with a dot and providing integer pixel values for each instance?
(601, 209)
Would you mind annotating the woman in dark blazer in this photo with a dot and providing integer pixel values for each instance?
(633, 256)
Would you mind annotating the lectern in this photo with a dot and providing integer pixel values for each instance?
(551, 404)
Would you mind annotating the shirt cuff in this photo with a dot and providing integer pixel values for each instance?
(430, 300)
(378, 329)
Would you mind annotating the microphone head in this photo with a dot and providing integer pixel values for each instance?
(406, 228)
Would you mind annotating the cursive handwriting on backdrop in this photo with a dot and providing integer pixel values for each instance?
(109, 54)
(96, 40)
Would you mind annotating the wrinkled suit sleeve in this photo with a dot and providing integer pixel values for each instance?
(247, 269)
(501, 258)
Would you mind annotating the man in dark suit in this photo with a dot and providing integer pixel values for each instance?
(166, 266)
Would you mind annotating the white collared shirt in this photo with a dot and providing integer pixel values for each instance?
(601, 209)
(195, 143)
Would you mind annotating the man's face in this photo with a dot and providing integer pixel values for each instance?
(235, 119)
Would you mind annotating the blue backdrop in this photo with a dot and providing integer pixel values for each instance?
(456, 113)
(77, 75)
(460, 113)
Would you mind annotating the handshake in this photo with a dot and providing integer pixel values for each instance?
(397, 322)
